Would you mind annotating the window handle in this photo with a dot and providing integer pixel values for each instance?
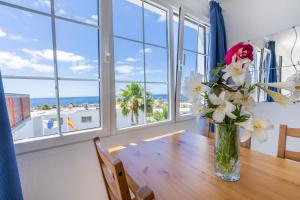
(107, 57)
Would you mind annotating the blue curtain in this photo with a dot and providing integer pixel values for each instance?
(217, 37)
(272, 71)
(217, 40)
(10, 187)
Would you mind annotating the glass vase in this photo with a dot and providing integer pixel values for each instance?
(227, 152)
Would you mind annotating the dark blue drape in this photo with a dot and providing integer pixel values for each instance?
(272, 71)
(217, 37)
(10, 187)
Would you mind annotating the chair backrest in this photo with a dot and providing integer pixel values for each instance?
(113, 174)
(282, 152)
(208, 133)
(115, 180)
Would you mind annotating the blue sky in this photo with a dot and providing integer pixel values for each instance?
(26, 47)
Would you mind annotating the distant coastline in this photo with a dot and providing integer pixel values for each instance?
(65, 101)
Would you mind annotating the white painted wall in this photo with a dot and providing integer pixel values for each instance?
(248, 20)
(277, 114)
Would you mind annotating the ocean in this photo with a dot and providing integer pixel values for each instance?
(64, 101)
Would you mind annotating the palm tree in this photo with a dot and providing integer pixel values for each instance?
(131, 101)
(161, 114)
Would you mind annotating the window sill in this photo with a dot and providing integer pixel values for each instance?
(53, 141)
(42, 143)
(185, 117)
(143, 126)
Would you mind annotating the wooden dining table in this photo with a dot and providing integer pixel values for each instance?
(180, 166)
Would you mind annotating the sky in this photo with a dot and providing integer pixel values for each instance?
(26, 47)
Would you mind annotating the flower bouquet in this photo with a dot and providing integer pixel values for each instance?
(225, 100)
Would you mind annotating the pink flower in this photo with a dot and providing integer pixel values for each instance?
(239, 51)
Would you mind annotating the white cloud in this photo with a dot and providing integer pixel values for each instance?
(2, 33)
(62, 11)
(64, 56)
(120, 62)
(125, 69)
(88, 21)
(16, 37)
(132, 59)
(81, 68)
(13, 61)
(162, 18)
(94, 17)
(44, 3)
(91, 20)
(47, 54)
(147, 50)
(42, 67)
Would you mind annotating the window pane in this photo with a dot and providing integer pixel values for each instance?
(129, 63)
(85, 11)
(201, 64)
(190, 36)
(31, 105)
(175, 35)
(129, 104)
(26, 43)
(158, 102)
(77, 50)
(127, 19)
(190, 65)
(40, 5)
(156, 64)
(79, 99)
(201, 40)
(155, 25)
(207, 30)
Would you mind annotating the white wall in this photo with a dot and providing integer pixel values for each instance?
(248, 20)
(277, 114)
(72, 171)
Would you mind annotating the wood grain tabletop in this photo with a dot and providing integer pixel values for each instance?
(181, 167)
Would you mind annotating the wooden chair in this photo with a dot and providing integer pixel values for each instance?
(282, 152)
(209, 134)
(115, 178)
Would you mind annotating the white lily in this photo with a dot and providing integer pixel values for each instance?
(245, 99)
(279, 98)
(256, 128)
(193, 87)
(225, 108)
(237, 71)
(200, 110)
(290, 85)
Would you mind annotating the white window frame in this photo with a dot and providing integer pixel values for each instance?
(183, 14)
(62, 138)
(107, 86)
(171, 88)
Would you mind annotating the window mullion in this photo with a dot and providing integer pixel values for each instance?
(171, 69)
(99, 62)
(179, 61)
(108, 102)
(55, 65)
(144, 58)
